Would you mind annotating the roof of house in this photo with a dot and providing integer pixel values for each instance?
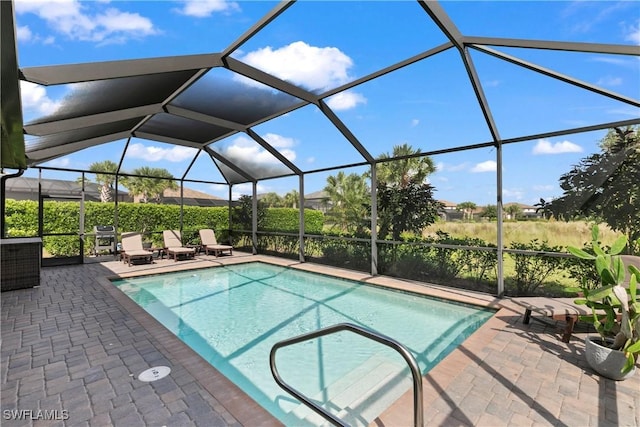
(189, 193)
(316, 195)
(52, 187)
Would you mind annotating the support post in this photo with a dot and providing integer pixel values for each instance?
(182, 209)
(254, 218)
(499, 208)
(301, 214)
(374, 221)
(230, 227)
(115, 218)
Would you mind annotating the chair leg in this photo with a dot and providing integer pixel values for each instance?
(527, 317)
(568, 330)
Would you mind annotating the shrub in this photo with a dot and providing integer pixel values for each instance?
(288, 220)
(147, 218)
(532, 270)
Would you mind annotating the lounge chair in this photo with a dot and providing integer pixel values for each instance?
(565, 308)
(210, 243)
(132, 249)
(173, 245)
(555, 308)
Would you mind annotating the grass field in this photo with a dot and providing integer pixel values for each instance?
(556, 233)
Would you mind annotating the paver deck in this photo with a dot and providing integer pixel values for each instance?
(72, 349)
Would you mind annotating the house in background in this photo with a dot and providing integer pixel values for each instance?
(24, 188)
(318, 200)
(192, 198)
(449, 211)
(525, 211)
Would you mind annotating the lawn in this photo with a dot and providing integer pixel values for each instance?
(556, 233)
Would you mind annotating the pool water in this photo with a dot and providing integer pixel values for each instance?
(233, 315)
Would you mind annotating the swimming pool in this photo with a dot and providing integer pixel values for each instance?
(233, 315)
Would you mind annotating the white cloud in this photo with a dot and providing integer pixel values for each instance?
(612, 61)
(60, 162)
(279, 141)
(150, 153)
(445, 167)
(491, 83)
(24, 34)
(415, 122)
(543, 187)
(247, 151)
(515, 194)
(238, 190)
(488, 166)
(310, 67)
(205, 8)
(546, 147)
(629, 111)
(633, 33)
(34, 99)
(610, 81)
(345, 100)
(80, 21)
(315, 68)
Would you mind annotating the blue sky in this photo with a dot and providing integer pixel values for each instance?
(322, 45)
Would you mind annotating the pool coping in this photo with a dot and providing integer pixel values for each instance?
(244, 408)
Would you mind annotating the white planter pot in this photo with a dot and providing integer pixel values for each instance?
(605, 361)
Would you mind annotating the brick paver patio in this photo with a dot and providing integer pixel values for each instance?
(72, 349)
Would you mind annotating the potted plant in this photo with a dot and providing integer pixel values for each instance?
(615, 311)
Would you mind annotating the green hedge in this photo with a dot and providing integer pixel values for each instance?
(21, 218)
(150, 219)
(288, 220)
(60, 217)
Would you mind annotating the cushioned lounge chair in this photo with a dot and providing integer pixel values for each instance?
(132, 249)
(555, 308)
(565, 308)
(173, 245)
(210, 243)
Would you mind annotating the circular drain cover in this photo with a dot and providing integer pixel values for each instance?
(155, 373)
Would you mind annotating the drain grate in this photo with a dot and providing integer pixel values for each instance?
(154, 374)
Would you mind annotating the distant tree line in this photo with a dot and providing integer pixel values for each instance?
(145, 184)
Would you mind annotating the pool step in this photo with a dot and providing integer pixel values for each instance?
(359, 397)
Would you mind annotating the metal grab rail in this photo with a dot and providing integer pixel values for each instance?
(367, 333)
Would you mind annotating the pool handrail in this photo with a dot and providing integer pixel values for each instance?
(367, 333)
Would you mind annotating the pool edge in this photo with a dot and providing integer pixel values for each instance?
(239, 404)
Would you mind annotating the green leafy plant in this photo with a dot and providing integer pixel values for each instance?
(532, 271)
(615, 309)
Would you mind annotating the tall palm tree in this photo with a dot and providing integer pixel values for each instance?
(148, 184)
(467, 209)
(105, 180)
(271, 200)
(291, 199)
(404, 171)
(350, 197)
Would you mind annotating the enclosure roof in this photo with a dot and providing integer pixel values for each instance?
(198, 101)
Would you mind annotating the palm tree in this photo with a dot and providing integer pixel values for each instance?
(291, 199)
(404, 171)
(350, 199)
(514, 211)
(271, 200)
(467, 209)
(105, 180)
(148, 184)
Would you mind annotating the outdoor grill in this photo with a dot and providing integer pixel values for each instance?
(105, 236)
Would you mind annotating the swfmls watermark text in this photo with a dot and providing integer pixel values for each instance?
(39, 414)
